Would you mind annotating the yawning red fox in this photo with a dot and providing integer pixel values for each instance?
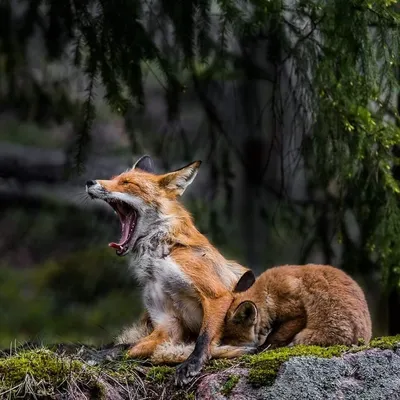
(187, 284)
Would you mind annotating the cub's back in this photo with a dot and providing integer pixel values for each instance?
(329, 296)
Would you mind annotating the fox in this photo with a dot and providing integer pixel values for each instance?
(292, 305)
(186, 282)
(286, 305)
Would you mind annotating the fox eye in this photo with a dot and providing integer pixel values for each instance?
(125, 182)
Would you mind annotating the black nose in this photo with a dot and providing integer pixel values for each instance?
(90, 183)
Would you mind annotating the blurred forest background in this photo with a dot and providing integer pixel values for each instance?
(291, 104)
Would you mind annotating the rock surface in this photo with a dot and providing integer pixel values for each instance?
(78, 372)
(371, 374)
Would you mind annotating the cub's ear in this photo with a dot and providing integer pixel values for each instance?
(245, 282)
(144, 163)
(178, 181)
(246, 314)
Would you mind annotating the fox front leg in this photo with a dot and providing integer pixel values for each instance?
(214, 311)
(284, 333)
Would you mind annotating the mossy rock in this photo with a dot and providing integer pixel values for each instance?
(66, 370)
(264, 367)
(55, 373)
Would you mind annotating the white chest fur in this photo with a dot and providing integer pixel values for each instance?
(168, 293)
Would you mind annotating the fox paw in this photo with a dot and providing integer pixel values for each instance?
(136, 351)
(250, 350)
(186, 371)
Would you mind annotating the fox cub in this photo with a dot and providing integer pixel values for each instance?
(291, 305)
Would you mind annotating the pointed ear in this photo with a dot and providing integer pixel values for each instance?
(245, 282)
(179, 180)
(144, 163)
(246, 314)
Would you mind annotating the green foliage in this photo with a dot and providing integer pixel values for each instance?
(345, 62)
(27, 133)
(87, 296)
(23, 312)
(352, 140)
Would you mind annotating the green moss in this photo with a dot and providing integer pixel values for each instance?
(124, 370)
(159, 373)
(230, 384)
(385, 342)
(46, 374)
(361, 342)
(41, 373)
(41, 364)
(265, 366)
(221, 364)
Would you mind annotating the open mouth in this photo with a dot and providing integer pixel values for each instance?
(128, 217)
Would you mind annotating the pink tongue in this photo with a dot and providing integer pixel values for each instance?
(126, 224)
(115, 245)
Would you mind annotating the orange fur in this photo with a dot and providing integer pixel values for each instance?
(308, 304)
(191, 288)
(173, 352)
(145, 347)
(287, 305)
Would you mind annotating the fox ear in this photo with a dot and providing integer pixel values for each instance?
(180, 179)
(245, 282)
(246, 314)
(144, 163)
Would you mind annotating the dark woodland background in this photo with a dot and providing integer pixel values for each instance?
(291, 105)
